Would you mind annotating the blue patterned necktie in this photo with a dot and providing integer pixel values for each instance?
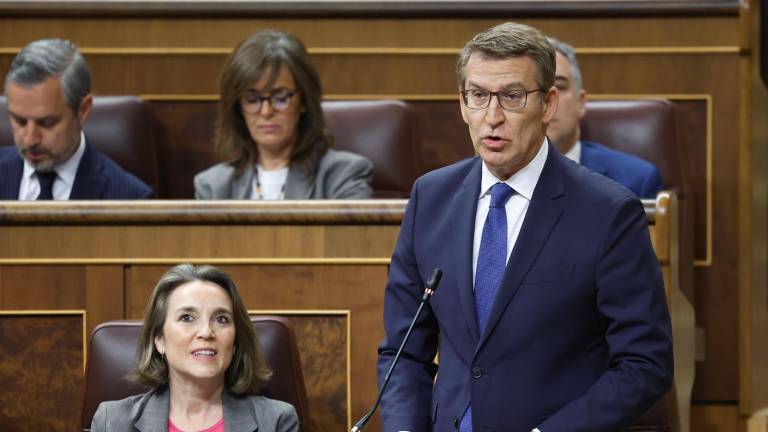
(46, 179)
(491, 261)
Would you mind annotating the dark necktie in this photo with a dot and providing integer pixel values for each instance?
(491, 261)
(46, 179)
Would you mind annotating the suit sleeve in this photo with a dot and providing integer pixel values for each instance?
(630, 300)
(407, 399)
(352, 179)
(653, 184)
(99, 422)
(287, 420)
(147, 193)
(203, 189)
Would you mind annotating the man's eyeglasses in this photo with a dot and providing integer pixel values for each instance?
(279, 100)
(510, 100)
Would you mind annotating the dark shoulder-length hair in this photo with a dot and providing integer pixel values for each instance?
(264, 53)
(248, 370)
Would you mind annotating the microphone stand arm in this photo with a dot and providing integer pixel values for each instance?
(431, 287)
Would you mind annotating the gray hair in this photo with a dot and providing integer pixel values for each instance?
(570, 54)
(512, 40)
(48, 58)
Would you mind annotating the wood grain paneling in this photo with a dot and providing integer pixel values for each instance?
(384, 75)
(104, 294)
(329, 33)
(693, 124)
(753, 317)
(716, 418)
(41, 372)
(367, 8)
(177, 243)
(324, 352)
(42, 287)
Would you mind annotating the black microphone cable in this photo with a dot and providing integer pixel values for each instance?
(432, 284)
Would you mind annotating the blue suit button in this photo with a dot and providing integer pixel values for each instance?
(477, 372)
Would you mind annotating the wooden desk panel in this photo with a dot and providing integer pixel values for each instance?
(322, 264)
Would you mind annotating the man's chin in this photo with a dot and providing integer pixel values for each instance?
(42, 165)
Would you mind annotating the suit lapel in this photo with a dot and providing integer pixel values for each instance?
(463, 209)
(543, 213)
(238, 413)
(91, 178)
(152, 412)
(242, 186)
(297, 185)
(10, 178)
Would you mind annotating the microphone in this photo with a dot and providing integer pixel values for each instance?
(430, 289)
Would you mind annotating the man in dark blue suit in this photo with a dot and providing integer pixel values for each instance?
(551, 313)
(636, 174)
(48, 89)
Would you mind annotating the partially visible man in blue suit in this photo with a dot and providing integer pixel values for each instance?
(636, 174)
(551, 313)
(48, 89)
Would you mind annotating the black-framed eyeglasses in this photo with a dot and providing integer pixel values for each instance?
(280, 100)
(510, 100)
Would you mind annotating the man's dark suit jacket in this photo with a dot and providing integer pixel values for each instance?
(579, 336)
(636, 174)
(97, 178)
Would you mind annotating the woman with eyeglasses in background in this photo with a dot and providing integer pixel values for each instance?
(271, 127)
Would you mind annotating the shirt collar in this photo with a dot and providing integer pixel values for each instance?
(574, 153)
(524, 181)
(66, 172)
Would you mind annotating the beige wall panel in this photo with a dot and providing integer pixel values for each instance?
(362, 33)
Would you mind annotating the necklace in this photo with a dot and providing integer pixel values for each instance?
(260, 194)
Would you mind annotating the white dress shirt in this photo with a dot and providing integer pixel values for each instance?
(29, 188)
(269, 184)
(523, 182)
(574, 153)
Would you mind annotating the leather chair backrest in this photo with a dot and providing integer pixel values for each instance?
(382, 131)
(113, 356)
(120, 127)
(642, 127)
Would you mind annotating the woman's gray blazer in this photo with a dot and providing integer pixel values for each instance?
(340, 175)
(149, 413)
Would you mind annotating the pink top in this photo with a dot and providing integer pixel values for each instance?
(218, 427)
